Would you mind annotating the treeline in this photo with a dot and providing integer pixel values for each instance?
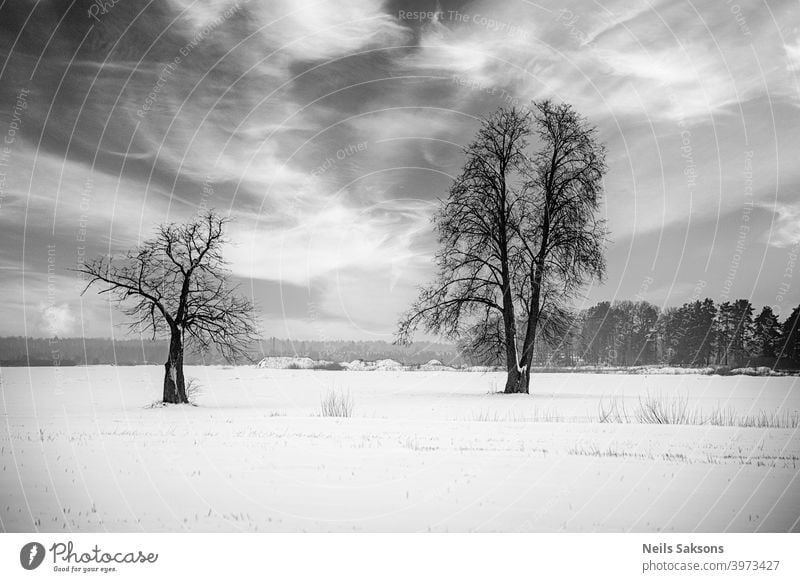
(623, 333)
(22, 351)
(76, 351)
(699, 333)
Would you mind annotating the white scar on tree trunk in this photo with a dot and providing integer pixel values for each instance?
(173, 373)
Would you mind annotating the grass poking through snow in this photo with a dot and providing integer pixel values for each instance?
(337, 403)
(516, 416)
(660, 409)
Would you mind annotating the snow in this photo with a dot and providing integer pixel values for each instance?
(304, 363)
(387, 365)
(357, 365)
(289, 362)
(759, 371)
(435, 366)
(363, 366)
(81, 450)
(672, 370)
(652, 369)
(481, 369)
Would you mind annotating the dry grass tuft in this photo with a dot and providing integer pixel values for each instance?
(660, 409)
(337, 403)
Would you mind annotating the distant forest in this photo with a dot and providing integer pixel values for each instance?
(699, 333)
(623, 333)
(21, 351)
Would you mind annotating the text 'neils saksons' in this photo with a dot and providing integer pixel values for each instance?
(663, 548)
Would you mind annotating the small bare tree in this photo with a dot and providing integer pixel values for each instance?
(518, 235)
(176, 285)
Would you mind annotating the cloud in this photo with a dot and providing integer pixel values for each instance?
(612, 19)
(793, 56)
(310, 30)
(56, 319)
(610, 60)
(325, 239)
(451, 52)
(785, 231)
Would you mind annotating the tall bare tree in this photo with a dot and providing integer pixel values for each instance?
(176, 285)
(518, 234)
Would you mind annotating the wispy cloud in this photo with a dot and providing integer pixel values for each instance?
(785, 231)
(330, 129)
(331, 238)
(793, 56)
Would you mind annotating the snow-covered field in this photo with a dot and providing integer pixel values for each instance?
(81, 450)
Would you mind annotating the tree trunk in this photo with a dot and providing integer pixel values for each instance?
(514, 377)
(512, 380)
(518, 380)
(519, 373)
(174, 386)
(522, 372)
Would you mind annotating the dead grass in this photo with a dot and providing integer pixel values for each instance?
(763, 419)
(516, 416)
(674, 409)
(337, 403)
(193, 390)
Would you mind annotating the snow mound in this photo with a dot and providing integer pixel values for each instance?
(288, 363)
(674, 370)
(435, 366)
(380, 365)
(759, 371)
(389, 365)
(655, 370)
(355, 365)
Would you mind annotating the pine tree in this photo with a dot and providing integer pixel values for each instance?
(742, 331)
(791, 336)
(766, 334)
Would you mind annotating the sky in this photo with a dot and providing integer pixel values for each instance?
(329, 131)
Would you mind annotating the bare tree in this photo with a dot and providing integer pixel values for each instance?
(176, 285)
(518, 234)
(476, 228)
(562, 239)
